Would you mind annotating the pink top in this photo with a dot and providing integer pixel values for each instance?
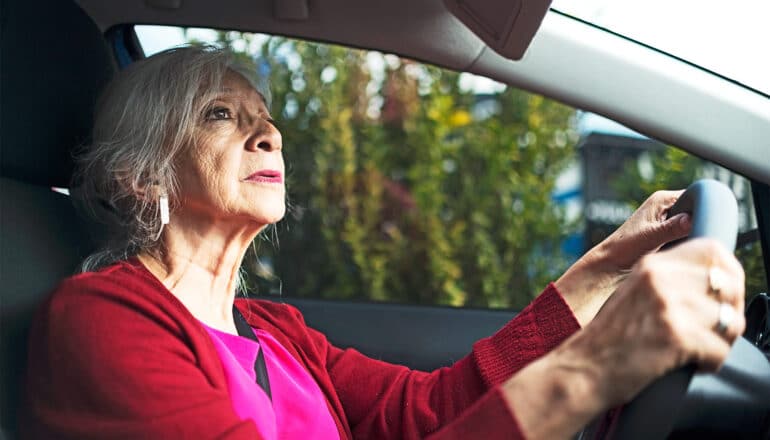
(298, 410)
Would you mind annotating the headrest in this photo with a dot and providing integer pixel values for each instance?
(54, 63)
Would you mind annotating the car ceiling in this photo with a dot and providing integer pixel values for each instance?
(586, 67)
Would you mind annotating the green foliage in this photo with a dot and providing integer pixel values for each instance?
(671, 169)
(398, 192)
(675, 169)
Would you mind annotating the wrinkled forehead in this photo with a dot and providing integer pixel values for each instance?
(236, 85)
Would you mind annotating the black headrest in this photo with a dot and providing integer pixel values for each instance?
(54, 63)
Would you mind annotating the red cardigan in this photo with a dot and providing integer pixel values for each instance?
(113, 354)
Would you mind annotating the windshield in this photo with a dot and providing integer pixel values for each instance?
(728, 38)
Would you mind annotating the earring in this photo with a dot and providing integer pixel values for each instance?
(164, 216)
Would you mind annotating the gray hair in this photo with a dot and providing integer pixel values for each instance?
(144, 119)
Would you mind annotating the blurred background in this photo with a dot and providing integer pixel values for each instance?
(413, 184)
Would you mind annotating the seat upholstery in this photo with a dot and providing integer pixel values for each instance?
(36, 252)
(54, 61)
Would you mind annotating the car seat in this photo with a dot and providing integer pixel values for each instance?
(54, 62)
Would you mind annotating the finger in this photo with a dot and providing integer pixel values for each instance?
(717, 316)
(679, 224)
(726, 278)
(724, 286)
(730, 322)
(704, 344)
(669, 230)
(700, 308)
(666, 199)
(710, 351)
(735, 271)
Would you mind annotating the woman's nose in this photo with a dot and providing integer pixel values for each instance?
(267, 139)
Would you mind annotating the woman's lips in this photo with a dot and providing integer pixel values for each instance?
(266, 176)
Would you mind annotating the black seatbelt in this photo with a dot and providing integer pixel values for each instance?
(245, 330)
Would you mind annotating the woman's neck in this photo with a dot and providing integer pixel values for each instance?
(200, 264)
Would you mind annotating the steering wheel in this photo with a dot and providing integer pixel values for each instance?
(655, 411)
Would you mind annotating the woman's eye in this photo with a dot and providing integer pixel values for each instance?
(218, 114)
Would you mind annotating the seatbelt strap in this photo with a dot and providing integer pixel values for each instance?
(245, 330)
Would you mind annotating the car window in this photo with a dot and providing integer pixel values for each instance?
(415, 184)
(685, 29)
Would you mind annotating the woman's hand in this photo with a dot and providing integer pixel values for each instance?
(592, 279)
(665, 315)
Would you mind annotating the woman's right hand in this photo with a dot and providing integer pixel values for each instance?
(663, 316)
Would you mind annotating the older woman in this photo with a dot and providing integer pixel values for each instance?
(150, 342)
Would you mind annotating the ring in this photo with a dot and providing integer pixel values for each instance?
(726, 317)
(715, 282)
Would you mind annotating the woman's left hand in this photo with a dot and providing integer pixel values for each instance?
(588, 283)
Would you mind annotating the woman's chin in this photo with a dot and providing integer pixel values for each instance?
(270, 215)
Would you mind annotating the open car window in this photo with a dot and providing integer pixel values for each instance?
(415, 184)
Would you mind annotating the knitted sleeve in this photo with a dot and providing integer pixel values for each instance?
(386, 401)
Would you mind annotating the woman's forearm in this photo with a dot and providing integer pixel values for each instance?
(553, 397)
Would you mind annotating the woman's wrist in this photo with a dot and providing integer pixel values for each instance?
(555, 396)
(588, 283)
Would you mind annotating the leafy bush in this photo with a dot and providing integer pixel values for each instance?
(405, 187)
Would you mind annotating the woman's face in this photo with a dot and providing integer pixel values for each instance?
(235, 170)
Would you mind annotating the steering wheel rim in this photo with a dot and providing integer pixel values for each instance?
(653, 412)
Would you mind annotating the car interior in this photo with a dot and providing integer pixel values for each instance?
(58, 54)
